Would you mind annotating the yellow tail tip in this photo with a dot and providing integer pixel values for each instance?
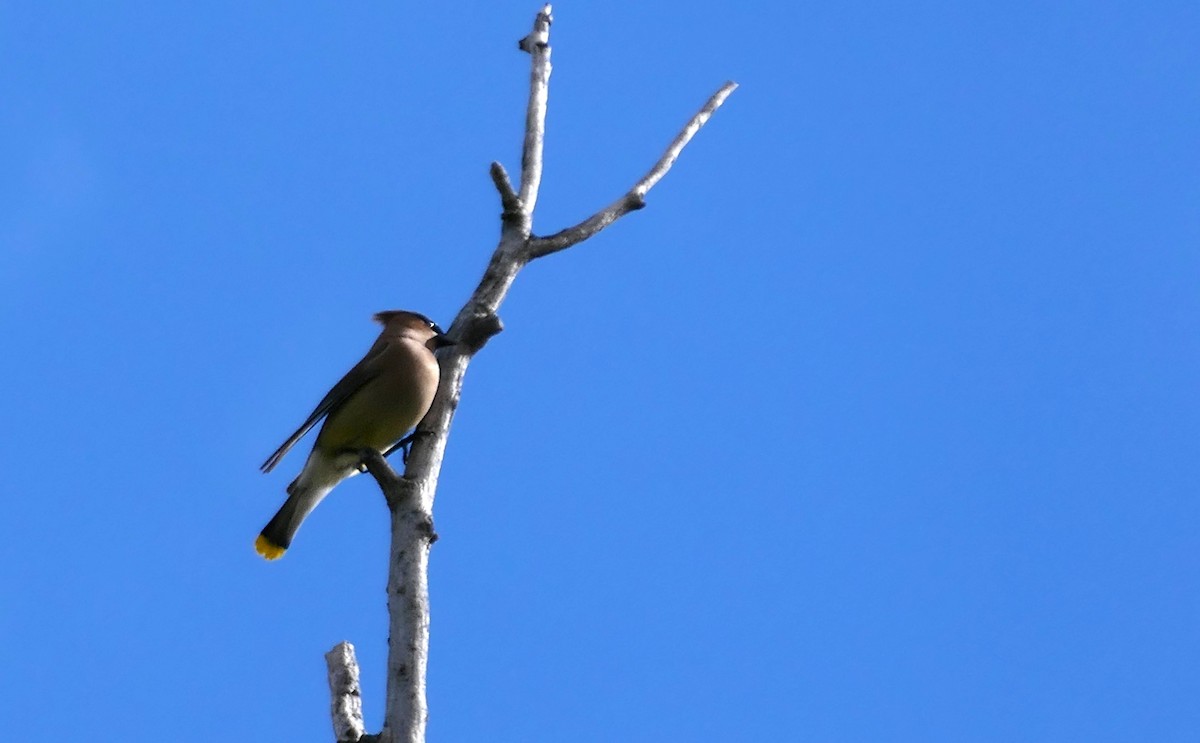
(268, 549)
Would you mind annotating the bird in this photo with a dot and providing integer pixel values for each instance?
(372, 407)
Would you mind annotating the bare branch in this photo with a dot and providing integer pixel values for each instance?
(345, 693)
(636, 197)
(537, 43)
(410, 498)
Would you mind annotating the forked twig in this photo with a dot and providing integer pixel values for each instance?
(635, 198)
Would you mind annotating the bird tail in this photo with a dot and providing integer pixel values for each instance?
(277, 535)
(321, 472)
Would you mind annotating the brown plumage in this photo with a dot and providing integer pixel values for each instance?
(372, 407)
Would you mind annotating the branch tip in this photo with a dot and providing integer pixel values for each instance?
(345, 693)
(539, 37)
(508, 195)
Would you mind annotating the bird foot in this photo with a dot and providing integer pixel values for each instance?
(363, 456)
(405, 445)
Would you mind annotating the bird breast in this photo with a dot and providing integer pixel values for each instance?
(381, 411)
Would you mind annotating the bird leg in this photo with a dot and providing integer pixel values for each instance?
(405, 445)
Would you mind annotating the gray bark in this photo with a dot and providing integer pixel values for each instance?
(346, 704)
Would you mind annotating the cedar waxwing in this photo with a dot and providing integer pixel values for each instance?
(373, 406)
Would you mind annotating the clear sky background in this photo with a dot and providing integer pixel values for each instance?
(880, 423)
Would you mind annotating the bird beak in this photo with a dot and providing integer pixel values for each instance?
(441, 341)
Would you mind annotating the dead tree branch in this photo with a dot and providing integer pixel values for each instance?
(410, 498)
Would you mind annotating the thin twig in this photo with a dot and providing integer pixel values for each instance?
(508, 197)
(668, 159)
(634, 199)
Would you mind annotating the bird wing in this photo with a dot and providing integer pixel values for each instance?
(364, 371)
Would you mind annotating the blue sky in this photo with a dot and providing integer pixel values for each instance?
(880, 423)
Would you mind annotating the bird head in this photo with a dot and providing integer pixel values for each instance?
(413, 325)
